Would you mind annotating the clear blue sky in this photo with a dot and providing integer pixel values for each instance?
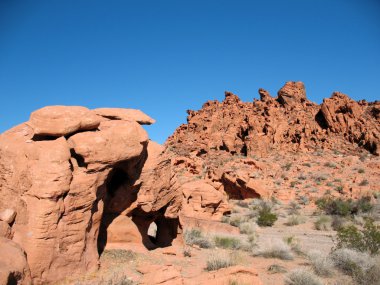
(165, 57)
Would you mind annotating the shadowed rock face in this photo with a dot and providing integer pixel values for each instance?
(71, 176)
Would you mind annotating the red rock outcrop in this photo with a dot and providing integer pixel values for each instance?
(221, 143)
(68, 175)
(74, 179)
(358, 122)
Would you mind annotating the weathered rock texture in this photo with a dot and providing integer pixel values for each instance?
(68, 175)
(14, 268)
(287, 122)
(74, 179)
(225, 144)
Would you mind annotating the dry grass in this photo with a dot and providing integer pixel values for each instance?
(196, 237)
(302, 276)
(321, 263)
(362, 267)
(276, 249)
(218, 260)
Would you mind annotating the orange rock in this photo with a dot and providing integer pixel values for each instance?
(125, 115)
(225, 276)
(62, 120)
(160, 274)
(203, 201)
(5, 230)
(13, 266)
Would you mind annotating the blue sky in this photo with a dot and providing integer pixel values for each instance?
(165, 57)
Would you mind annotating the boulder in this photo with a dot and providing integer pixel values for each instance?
(14, 268)
(203, 201)
(132, 115)
(292, 93)
(59, 121)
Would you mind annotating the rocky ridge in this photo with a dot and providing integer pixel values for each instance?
(238, 147)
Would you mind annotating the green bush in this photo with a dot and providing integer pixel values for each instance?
(266, 217)
(227, 242)
(342, 207)
(366, 239)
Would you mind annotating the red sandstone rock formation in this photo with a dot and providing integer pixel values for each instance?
(68, 175)
(219, 142)
(73, 179)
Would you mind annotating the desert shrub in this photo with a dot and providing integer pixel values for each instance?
(361, 170)
(366, 239)
(247, 228)
(294, 244)
(276, 249)
(302, 177)
(266, 217)
(196, 237)
(321, 264)
(302, 276)
(342, 207)
(330, 164)
(339, 189)
(334, 206)
(364, 205)
(287, 166)
(218, 260)
(227, 242)
(306, 164)
(338, 222)
(323, 223)
(276, 268)
(118, 255)
(320, 178)
(236, 220)
(225, 219)
(252, 239)
(363, 268)
(293, 208)
(294, 220)
(304, 200)
(364, 182)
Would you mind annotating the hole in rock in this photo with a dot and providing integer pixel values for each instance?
(156, 231)
(152, 232)
(122, 224)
